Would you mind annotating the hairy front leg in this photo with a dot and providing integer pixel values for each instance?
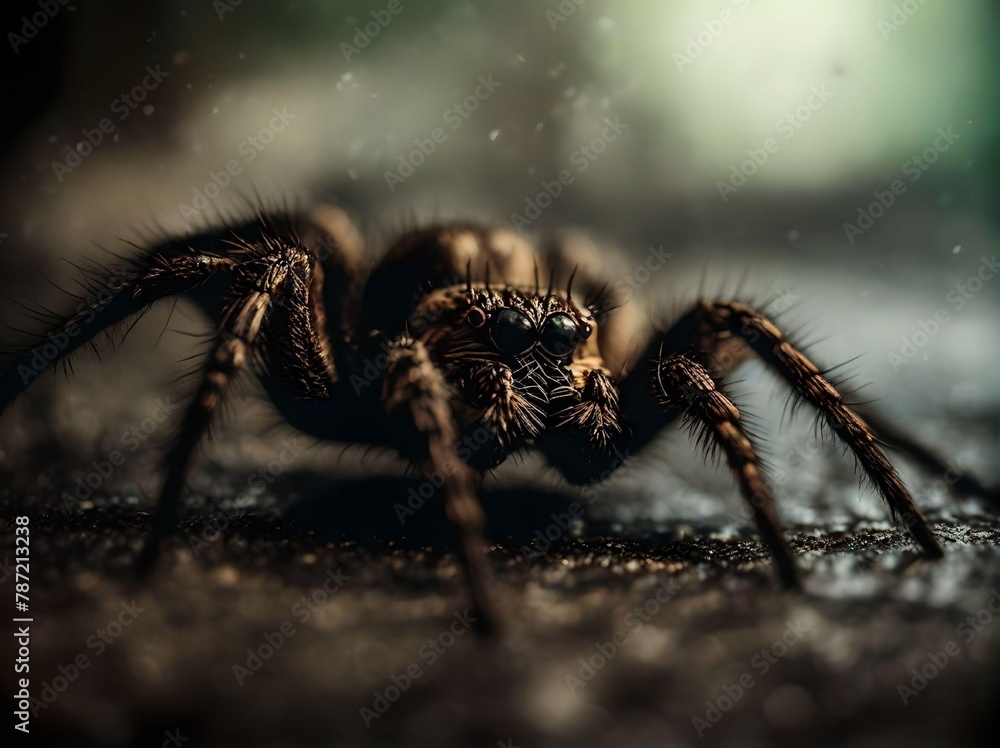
(588, 436)
(419, 402)
(262, 283)
(674, 386)
(505, 416)
(226, 361)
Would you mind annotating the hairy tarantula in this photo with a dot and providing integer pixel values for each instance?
(421, 351)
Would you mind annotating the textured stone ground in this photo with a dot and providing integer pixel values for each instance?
(823, 667)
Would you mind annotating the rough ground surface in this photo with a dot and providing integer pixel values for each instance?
(872, 612)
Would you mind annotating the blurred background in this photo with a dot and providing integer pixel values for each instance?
(836, 161)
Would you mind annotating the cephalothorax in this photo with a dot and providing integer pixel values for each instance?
(422, 350)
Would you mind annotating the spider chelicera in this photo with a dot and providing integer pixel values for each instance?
(421, 350)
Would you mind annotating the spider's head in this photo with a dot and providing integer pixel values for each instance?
(511, 353)
(515, 327)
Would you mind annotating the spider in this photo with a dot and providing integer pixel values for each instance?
(423, 354)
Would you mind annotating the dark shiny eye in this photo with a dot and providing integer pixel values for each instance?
(512, 332)
(560, 335)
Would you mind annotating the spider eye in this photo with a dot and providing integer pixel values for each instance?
(476, 317)
(560, 335)
(512, 332)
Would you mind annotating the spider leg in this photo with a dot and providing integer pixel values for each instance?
(277, 321)
(259, 282)
(339, 249)
(417, 394)
(227, 359)
(196, 266)
(588, 434)
(681, 387)
(508, 413)
(172, 269)
(964, 483)
(300, 353)
(710, 320)
(724, 353)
